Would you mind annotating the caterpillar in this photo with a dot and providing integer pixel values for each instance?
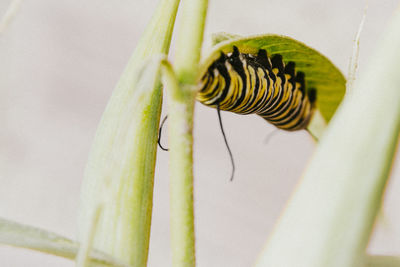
(247, 83)
(256, 84)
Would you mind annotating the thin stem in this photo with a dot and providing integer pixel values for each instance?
(181, 98)
(190, 40)
(353, 64)
(181, 183)
(181, 172)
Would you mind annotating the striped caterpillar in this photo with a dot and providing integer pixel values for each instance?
(256, 84)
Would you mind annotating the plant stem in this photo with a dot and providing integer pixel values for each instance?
(120, 170)
(181, 106)
(181, 182)
(190, 40)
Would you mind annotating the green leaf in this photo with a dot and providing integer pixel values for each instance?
(319, 71)
(24, 236)
(120, 172)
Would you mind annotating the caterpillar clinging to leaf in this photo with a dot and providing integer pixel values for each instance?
(289, 84)
(256, 84)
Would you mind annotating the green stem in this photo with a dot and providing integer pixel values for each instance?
(190, 40)
(181, 182)
(120, 170)
(181, 107)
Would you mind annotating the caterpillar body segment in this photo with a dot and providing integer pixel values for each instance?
(257, 84)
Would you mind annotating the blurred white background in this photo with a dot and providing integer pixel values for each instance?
(59, 61)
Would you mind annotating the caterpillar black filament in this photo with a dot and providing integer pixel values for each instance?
(256, 84)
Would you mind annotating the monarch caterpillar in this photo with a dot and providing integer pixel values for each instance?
(256, 84)
(239, 76)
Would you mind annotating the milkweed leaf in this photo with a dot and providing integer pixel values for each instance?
(121, 165)
(320, 72)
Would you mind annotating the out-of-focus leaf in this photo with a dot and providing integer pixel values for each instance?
(329, 219)
(24, 236)
(9, 15)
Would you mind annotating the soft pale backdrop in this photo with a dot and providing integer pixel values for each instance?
(59, 61)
